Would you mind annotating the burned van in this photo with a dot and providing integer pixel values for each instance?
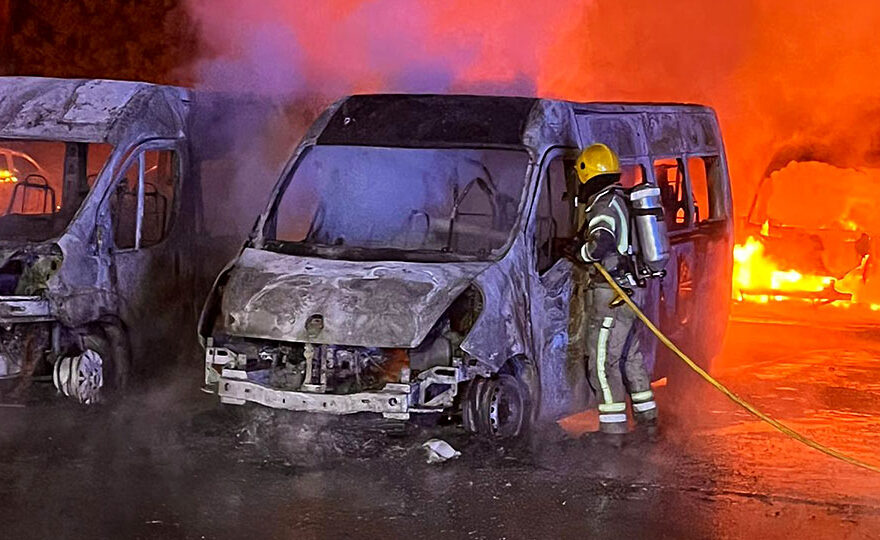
(100, 210)
(411, 259)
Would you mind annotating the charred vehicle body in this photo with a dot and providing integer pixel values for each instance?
(411, 259)
(822, 257)
(100, 210)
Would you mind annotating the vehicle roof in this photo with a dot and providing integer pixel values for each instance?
(433, 119)
(634, 106)
(88, 110)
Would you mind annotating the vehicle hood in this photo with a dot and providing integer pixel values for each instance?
(371, 304)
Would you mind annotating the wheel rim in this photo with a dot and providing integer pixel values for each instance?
(80, 377)
(506, 408)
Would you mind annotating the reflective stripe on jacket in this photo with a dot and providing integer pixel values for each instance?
(605, 234)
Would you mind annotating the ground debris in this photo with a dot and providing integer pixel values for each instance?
(439, 451)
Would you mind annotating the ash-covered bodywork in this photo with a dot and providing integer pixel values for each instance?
(99, 263)
(461, 305)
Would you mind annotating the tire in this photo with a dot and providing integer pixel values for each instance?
(111, 342)
(469, 402)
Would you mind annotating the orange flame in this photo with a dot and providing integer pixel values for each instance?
(756, 277)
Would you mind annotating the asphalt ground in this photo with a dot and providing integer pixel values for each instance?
(169, 462)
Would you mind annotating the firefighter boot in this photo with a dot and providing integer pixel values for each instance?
(645, 414)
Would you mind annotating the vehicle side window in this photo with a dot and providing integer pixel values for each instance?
(155, 196)
(97, 157)
(706, 178)
(555, 217)
(632, 175)
(669, 174)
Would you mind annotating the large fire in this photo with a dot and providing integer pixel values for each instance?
(758, 278)
(814, 243)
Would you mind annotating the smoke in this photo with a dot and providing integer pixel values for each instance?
(305, 54)
(342, 46)
(784, 73)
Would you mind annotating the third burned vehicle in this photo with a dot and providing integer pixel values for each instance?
(411, 258)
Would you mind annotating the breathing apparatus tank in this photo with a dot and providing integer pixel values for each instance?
(652, 250)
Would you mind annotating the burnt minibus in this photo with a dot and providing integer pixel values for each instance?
(411, 258)
(102, 225)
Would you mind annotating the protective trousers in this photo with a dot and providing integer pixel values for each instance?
(612, 338)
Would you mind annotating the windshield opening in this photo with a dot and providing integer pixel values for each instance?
(413, 203)
(43, 183)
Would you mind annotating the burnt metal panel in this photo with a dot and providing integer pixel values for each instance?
(550, 123)
(709, 131)
(699, 133)
(503, 330)
(558, 317)
(379, 304)
(664, 134)
(623, 133)
(428, 120)
(84, 110)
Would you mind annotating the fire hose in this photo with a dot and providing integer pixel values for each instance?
(726, 391)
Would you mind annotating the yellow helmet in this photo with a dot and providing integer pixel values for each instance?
(595, 160)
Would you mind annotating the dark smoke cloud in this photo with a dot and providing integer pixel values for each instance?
(782, 73)
(341, 46)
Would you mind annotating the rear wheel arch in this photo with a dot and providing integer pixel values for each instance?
(109, 336)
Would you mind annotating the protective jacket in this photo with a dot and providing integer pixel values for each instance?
(605, 235)
(613, 335)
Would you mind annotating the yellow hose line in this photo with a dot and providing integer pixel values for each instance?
(723, 389)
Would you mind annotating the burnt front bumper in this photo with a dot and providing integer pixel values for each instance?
(392, 399)
(225, 375)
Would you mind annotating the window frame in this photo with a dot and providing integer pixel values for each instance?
(137, 153)
(564, 152)
(637, 163)
(690, 221)
(264, 231)
(570, 152)
(715, 197)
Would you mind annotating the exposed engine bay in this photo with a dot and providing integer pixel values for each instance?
(421, 379)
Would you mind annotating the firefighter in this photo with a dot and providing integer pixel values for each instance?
(612, 333)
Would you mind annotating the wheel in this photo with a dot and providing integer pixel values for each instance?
(469, 404)
(80, 377)
(97, 370)
(499, 407)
